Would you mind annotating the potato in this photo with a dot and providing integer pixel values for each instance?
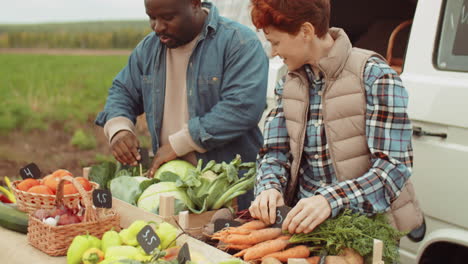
(352, 257)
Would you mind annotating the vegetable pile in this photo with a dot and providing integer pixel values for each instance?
(197, 189)
(60, 215)
(104, 172)
(48, 185)
(352, 230)
(123, 247)
(216, 185)
(348, 236)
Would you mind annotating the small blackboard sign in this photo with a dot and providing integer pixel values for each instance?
(224, 223)
(102, 198)
(30, 171)
(281, 213)
(145, 160)
(184, 254)
(148, 239)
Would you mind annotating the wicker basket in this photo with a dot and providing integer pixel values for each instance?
(55, 240)
(30, 202)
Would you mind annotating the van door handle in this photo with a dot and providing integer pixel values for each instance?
(419, 132)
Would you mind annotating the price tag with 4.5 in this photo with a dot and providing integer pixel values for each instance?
(30, 171)
(148, 239)
(102, 198)
(281, 213)
(224, 223)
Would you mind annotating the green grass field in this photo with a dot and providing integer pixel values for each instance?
(92, 26)
(39, 89)
(87, 35)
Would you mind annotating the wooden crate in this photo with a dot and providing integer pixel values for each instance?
(129, 213)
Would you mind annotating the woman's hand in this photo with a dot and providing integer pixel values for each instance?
(307, 214)
(265, 204)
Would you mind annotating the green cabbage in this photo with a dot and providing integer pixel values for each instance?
(149, 199)
(125, 188)
(179, 167)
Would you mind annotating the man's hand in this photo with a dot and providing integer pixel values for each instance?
(265, 204)
(164, 154)
(307, 214)
(124, 146)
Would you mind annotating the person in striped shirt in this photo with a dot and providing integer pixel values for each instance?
(318, 169)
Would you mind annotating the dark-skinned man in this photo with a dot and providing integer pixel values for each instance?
(201, 80)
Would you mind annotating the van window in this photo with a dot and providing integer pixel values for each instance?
(453, 40)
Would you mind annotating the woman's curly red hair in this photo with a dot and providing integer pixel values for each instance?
(289, 15)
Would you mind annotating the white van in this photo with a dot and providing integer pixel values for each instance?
(431, 50)
(435, 72)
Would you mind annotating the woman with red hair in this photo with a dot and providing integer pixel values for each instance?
(339, 137)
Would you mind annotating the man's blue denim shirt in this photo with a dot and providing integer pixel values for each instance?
(226, 88)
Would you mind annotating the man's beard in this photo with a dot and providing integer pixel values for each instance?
(173, 42)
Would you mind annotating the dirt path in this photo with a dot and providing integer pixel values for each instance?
(93, 52)
(51, 149)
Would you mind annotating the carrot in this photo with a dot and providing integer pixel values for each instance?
(240, 253)
(294, 252)
(244, 229)
(313, 260)
(267, 247)
(254, 237)
(253, 225)
(234, 246)
(226, 232)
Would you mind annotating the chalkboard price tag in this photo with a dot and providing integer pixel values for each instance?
(184, 254)
(30, 171)
(224, 223)
(102, 198)
(145, 160)
(148, 239)
(281, 213)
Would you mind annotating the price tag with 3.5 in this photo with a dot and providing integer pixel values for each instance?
(102, 198)
(148, 239)
(281, 213)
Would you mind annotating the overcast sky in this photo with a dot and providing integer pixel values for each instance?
(40, 11)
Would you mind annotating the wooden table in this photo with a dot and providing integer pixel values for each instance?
(14, 249)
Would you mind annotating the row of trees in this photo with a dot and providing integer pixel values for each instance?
(119, 39)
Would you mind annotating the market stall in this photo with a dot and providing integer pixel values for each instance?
(53, 228)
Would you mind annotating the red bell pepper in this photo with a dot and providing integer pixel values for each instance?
(4, 199)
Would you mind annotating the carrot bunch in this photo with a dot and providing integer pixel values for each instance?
(258, 241)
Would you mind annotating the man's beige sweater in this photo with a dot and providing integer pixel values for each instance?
(174, 129)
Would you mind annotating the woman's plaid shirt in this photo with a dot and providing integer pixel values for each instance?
(388, 131)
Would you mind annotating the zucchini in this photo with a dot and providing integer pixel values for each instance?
(13, 219)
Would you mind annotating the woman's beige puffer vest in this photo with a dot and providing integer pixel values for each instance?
(344, 118)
